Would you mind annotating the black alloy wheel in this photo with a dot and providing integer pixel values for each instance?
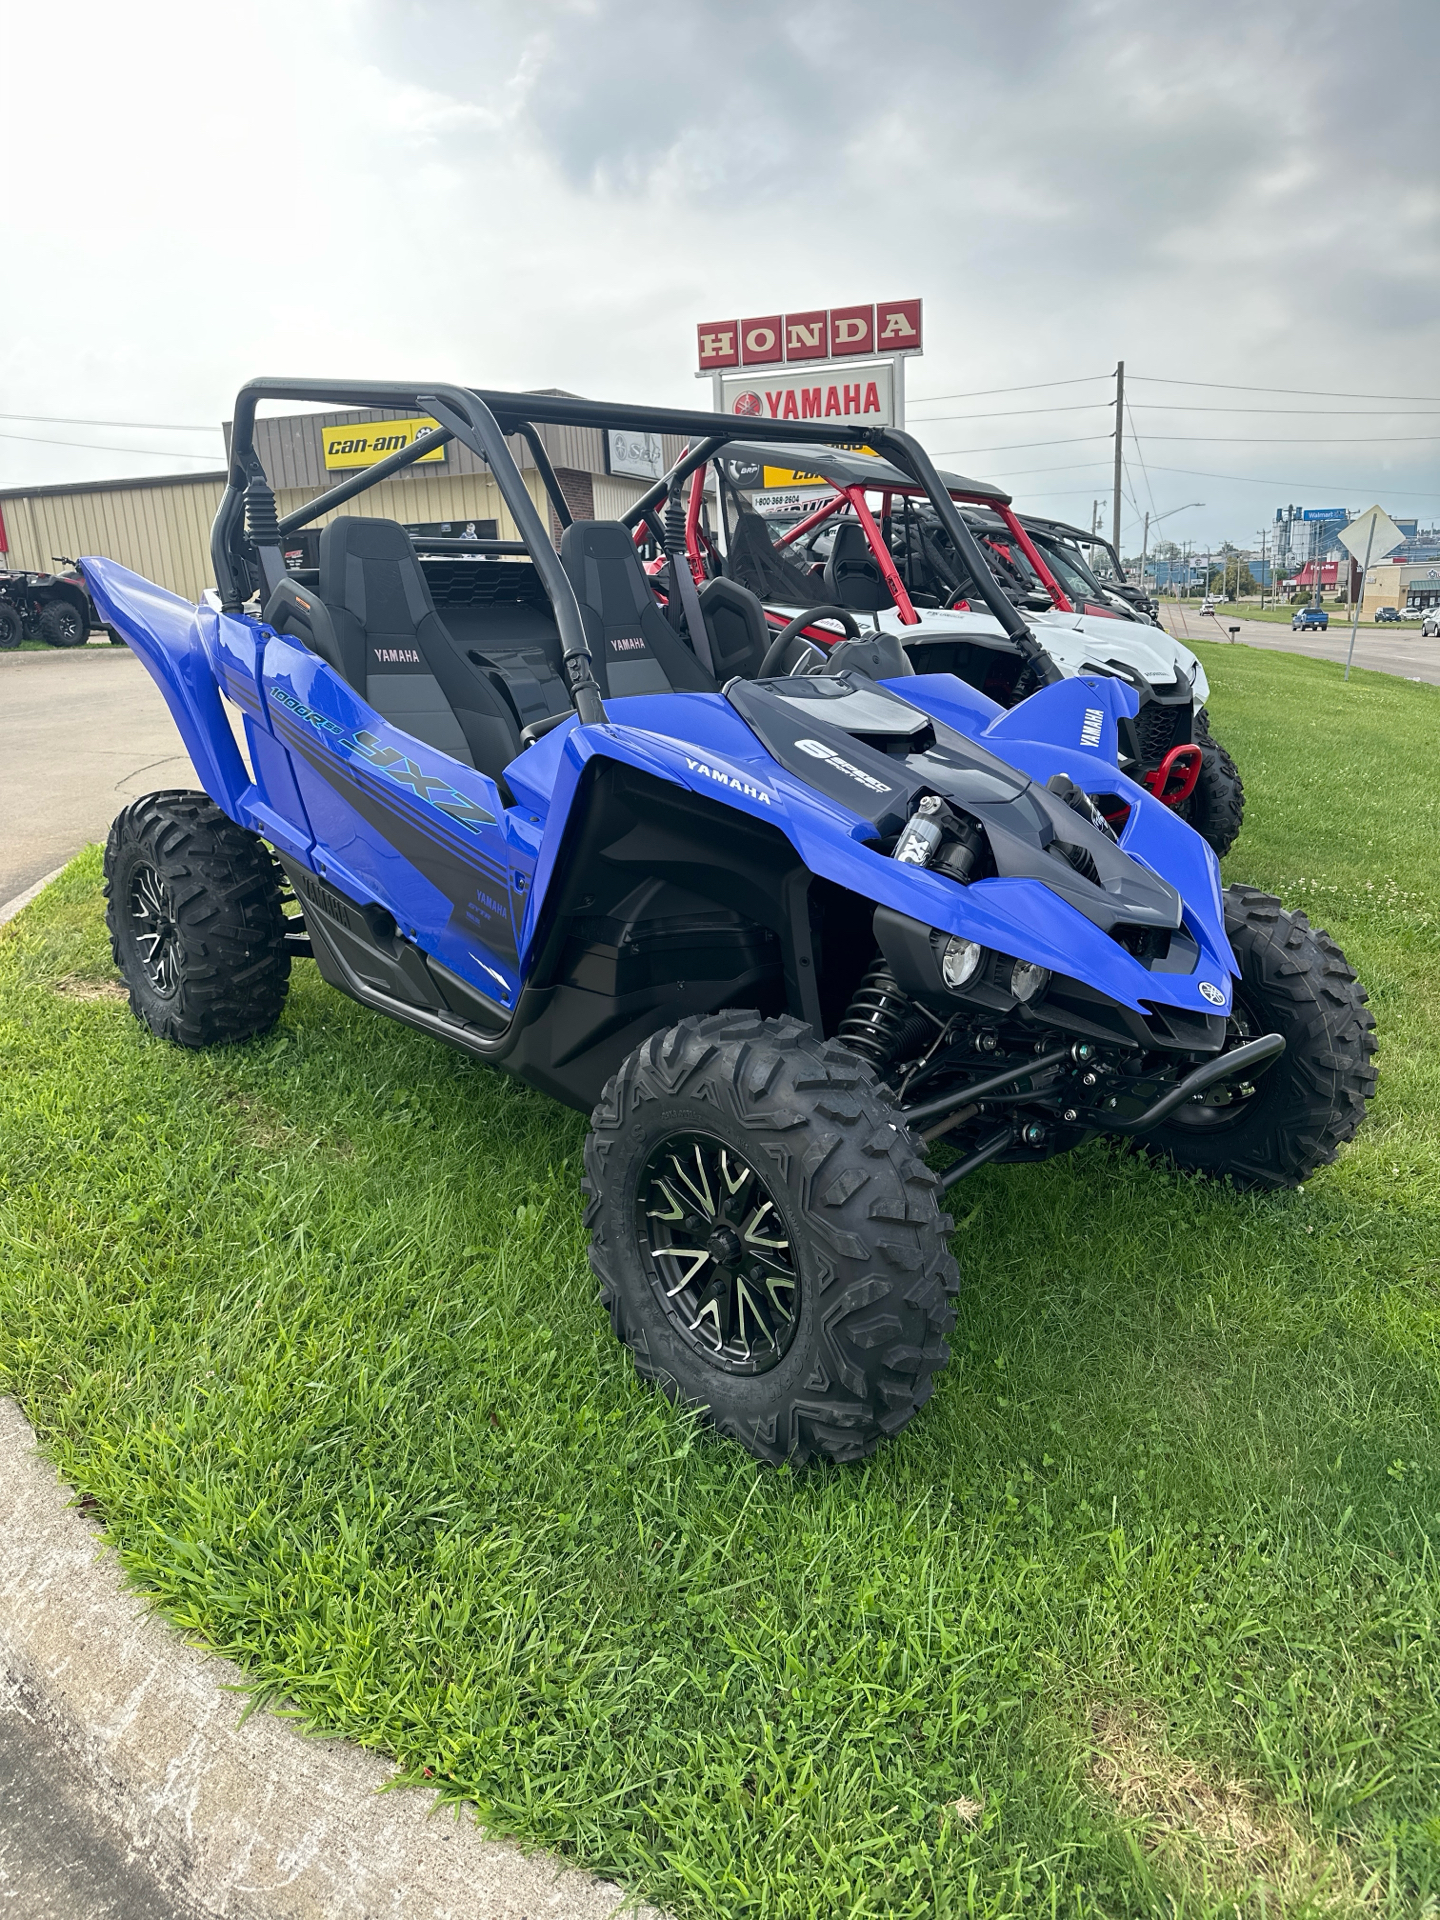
(718, 1253)
(12, 627)
(154, 930)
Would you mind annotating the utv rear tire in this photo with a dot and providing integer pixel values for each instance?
(62, 624)
(196, 926)
(1294, 980)
(799, 1126)
(12, 628)
(1216, 809)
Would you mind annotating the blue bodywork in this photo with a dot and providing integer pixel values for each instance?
(383, 817)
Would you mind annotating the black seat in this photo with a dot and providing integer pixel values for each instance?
(739, 633)
(633, 648)
(754, 561)
(852, 573)
(374, 622)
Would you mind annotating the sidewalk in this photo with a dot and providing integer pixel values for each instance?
(129, 1790)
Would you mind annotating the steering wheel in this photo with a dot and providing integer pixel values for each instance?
(780, 645)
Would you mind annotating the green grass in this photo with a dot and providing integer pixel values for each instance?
(1139, 1616)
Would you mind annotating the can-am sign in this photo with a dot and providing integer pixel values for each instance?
(866, 394)
(822, 333)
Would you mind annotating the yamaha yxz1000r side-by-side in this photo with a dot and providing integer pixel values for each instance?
(776, 932)
(872, 544)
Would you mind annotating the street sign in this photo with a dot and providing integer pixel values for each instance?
(1371, 535)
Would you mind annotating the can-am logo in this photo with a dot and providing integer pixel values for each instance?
(819, 751)
(723, 779)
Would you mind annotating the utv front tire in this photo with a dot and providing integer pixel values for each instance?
(1295, 981)
(768, 1241)
(12, 628)
(1216, 808)
(63, 625)
(196, 926)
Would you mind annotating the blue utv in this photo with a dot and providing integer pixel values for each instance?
(778, 917)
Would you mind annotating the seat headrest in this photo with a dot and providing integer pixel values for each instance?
(605, 570)
(369, 567)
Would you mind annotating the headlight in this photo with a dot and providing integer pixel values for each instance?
(1027, 981)
(960, 962)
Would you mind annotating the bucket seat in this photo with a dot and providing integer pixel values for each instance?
(852, 573)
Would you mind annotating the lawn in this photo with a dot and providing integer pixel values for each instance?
(1139, 1617)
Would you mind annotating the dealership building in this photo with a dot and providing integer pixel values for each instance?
(161, 527)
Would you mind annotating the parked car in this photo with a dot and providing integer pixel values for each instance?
(1430, 624)
(1387, 616)
(1306, 617)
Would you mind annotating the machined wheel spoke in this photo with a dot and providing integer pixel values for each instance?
(676, 1209)
(752, 1236)
(698, 1185)
(745, 1300)
(697, 1257)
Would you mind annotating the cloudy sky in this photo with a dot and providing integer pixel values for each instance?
(1240, 198)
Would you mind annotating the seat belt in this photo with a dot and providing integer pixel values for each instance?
(682, 582)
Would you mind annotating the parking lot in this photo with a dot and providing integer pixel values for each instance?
(83, 732)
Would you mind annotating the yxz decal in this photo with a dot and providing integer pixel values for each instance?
(427, 787)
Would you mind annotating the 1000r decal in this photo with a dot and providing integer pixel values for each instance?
(427, 787)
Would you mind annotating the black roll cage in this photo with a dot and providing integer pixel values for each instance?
(246, 537)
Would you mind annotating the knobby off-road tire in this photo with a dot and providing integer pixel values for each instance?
(1294, 980)
(196, 927)
(63, 625)
(1216, 809)
(12, 628)
(835, 1236)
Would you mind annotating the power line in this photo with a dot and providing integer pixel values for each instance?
(1169, 406)
(88, 446)
(144, 426)
(1015, 413)
(984, 393)
(1296, 440)
(1227, 386)
(964, 453)
(1375, 487)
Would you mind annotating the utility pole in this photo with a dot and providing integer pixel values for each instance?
(1119, 451)
(1144, 550)
(1094, 517)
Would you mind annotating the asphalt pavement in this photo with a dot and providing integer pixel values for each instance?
(81, 732)
(1399, 649)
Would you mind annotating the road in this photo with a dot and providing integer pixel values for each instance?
(81, 732)
(1399, 650)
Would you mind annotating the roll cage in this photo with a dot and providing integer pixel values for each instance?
(852, 478)
(248, 535)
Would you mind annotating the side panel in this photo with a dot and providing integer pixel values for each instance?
(401, 824)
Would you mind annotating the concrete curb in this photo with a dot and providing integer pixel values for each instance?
(252, 1820)
(22, 900)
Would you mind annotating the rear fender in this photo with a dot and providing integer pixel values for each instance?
(167, 633)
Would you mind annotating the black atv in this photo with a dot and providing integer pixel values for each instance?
(53, 607)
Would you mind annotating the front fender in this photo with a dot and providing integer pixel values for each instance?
(165, 631)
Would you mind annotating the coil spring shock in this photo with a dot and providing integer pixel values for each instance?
(875, 1017)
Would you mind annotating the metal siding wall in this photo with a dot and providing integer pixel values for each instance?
(436, 496)
(162, 532)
